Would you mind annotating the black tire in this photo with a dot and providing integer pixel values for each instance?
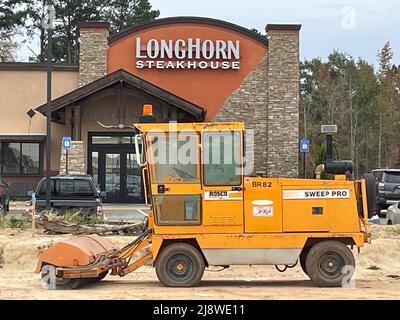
(389, 222)
(325, 263)
(370, 185)
(302, 259)
(180, 265)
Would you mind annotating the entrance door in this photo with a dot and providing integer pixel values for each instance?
(121, 179)
(112, 162)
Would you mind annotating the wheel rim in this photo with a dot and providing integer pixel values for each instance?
(331, 264)
(179, 267)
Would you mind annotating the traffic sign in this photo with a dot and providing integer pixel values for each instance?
(66, 143)
(305, 145)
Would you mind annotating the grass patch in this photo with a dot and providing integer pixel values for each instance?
(374, 267)
(11, 222)
(82, 217)
(75, 216)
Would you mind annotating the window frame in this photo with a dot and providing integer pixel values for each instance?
(20, 173)
(240, 153)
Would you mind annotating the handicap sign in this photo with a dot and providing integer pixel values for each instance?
(304, 145)
(66, 143)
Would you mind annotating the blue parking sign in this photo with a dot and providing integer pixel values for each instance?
(66, 143)
(305, 145)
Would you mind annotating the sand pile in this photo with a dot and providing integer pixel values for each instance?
(19, 251)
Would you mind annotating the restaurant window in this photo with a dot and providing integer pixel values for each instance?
(20, 158)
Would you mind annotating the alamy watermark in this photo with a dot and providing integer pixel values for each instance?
(221, 149)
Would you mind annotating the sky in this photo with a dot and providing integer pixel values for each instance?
(357, 27)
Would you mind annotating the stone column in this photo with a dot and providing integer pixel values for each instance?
(76, 159)
(283, 100)
(248, 103)
(93, 42)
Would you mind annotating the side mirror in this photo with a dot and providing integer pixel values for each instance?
(29, 193)
(103, 194)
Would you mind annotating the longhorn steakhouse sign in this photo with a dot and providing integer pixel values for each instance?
(190, 53)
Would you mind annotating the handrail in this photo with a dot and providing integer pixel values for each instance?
(137, 152)
(145, 184)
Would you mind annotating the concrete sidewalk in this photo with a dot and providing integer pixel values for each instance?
(124, 212)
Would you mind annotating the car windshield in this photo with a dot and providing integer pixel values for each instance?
(393, 177)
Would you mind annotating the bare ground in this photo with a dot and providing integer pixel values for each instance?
(377, 277)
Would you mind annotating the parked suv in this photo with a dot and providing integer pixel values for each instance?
(387, 187)
(70, 192)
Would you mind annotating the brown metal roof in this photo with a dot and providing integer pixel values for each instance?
(76, 95)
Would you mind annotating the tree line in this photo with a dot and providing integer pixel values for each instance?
(363, 102)
(24, 18)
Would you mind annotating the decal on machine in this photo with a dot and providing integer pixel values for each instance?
(263, 211)
(222, 195)
(263, 208)
(317, 194)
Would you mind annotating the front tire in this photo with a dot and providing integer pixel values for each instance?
(180, 265)
(325, 263)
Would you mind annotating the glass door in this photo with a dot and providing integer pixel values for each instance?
(112, 163)
(132, 179)
(112, 177)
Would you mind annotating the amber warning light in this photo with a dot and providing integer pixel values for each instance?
(147, 116)
(147, 109)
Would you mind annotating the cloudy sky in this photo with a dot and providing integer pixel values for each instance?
(357, 27)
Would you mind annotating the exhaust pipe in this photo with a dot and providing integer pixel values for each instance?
(332, 166)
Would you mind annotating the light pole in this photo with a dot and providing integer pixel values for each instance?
(48, 24)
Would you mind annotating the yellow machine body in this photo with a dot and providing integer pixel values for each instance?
(214, 214)
(257, 221)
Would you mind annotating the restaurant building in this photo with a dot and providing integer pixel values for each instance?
(190, 69)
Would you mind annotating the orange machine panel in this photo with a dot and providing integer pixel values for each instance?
(262, 201)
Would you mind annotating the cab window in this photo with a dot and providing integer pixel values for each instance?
(222, 158)
(173, 158)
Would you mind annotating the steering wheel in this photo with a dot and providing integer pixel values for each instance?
(183, 174)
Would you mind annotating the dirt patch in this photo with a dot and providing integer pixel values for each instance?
(377, 275)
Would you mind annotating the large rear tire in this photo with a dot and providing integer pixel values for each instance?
(180, 265)
(326, 262)
(370, 185)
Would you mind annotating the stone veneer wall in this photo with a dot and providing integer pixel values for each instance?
(76, 159)
(93, 52)
(248, 103)
(268, 102)
(283, 101)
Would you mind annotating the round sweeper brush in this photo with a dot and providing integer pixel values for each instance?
(75, 262)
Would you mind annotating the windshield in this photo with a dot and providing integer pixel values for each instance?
(393, 177)
(173, 158)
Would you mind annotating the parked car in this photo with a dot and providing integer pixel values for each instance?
(4, 197)
(70, 192)
(391, 215)
(387, 187)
